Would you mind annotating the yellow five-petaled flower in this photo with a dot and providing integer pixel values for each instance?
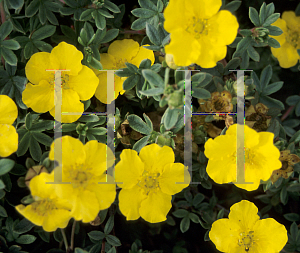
(199, 31)
(148, 180)
(261, 157)
(243, 231)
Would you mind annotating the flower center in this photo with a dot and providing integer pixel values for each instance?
(149, 182)
(64, 80)
(120, 63)
(249, 156)
(293, 38)
(197, 27)
(44, 206)
(246, 240)
(79, 178)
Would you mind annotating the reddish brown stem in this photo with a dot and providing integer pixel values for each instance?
(143, 32)
(287, 113)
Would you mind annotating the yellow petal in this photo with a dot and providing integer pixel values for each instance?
(97, 156)
(225, 235)
(108, 62)
(39, 97)
(70, 103)
(105, 190)
(66, 57)
(29, 213)
(156, 158)
(222, 171)
(203, 9)
(8, 110)
(72, 151)
(39, 185)
(8, 140)
(36, 67)
(130, 206)
(184, 48)
(244, 214)
(86, 206)
(269, 235)
(156, 207)
(287, 55)
(58, 218)
(292, 21)
(174, 178)
(85, 83)
(142, 54)
(124, 49)
(210, 54)
(129, 170)
(174, 15)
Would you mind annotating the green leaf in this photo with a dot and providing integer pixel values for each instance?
(11, 44)
(273, 43)
(270, 9)
(243, 45)
(198, 199)
(96, 235)
(9, 56)
(147, 4)
(153, 34)
(32, 8)
(97, 131)
(2, 186)
(274, 30)
(109, 225)
(293, 100)
(256, 81)
(23, 226)
(45, 236)
(153, 78)
(131, 67)
(6, 165)
(200, 93)
(180, 213)
(99, 20)
(111, 6)
(263, 13)
(42, 13)
(201, 79)
(294, 231)
(271, 19)
(28, 50)
(78, 250)
(272, 88)
(51, 17)
(24, 144)
(253, 53)
(292, 216)
(159, 6)
(141, 143)
(43, 125)
(233, 6)
(28, 121)
(26, 239)
(143, 13)
(5, 29)
(138, 124)
(95, 64)
(3, 212)
(253, 15)
(283, 195)
(35, 149)
(110, 35)
(170, 118)
(152, 92)
(42, 138)
(297, 109)
(185, 224)
(105, 13)
(139, 24)
(86, 15)
(16, 4)
(220, 214)
(113, 240)
(266, 76)
(148, 121)
(130, 82)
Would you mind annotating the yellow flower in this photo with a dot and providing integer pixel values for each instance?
(289, 40)
(79, 83)
(47, 210)
(119, 52)
(8, 134)
(261, 157)
(243, 231)
(199, 31)
(84, 167)
(148, 181)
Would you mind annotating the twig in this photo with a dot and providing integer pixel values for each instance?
(287, 113)
(142, 32)
(103, 246)
(65, 239)
(72, 235)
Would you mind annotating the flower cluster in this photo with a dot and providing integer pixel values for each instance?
(8, 134)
